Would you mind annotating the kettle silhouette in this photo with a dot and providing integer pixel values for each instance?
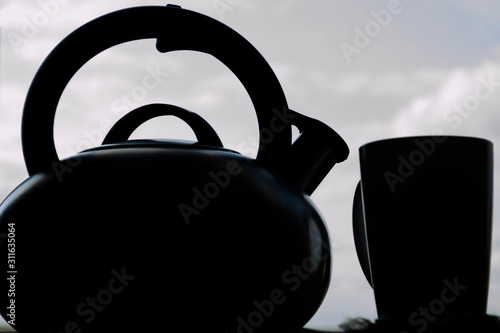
(143, 234)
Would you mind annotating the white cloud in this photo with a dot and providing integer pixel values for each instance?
(392, 84)
(486, 10)
(352, 84)
(459, 106)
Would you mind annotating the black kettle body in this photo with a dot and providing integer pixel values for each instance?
(144, 234)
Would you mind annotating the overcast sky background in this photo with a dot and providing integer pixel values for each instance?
(405, 78)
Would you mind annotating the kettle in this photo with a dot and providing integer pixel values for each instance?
(147, 234)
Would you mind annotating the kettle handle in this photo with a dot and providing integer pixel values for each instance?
(359, 231)
(124, 127)
(174, 29)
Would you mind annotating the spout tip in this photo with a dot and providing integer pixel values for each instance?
(343, 153)
(340, 148)
(323, 134)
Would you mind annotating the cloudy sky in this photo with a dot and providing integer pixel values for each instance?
(370, 70)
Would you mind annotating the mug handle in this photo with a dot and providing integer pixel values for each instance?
(359, 231)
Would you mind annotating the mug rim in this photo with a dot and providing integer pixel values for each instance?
(436, 138)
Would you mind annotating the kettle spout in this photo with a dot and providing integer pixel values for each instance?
(314, 153)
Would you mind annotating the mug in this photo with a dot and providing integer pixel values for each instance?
(422, 221)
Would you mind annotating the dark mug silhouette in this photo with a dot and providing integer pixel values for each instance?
(422, 226)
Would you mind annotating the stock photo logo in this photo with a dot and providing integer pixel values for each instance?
(210, 190)
(425, 315)
(92, 306)
(425, 147)
(32, 24)
(456, 115)
(363, 37)
(224, 6)
(453, 118)
(291, 281)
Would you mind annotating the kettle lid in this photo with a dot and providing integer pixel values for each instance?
(159, 143)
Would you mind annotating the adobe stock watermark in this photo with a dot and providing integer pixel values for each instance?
(202, 197)
(363, 37)
(151, 80)
(408, 164)
(291, 280)
(253, 144)
(425, 315)
(88, 309)
(223, 6)
(464, 109)
(454, 118)
(31, 26)
(220, 180)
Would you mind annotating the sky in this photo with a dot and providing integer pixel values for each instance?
(370, 70)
